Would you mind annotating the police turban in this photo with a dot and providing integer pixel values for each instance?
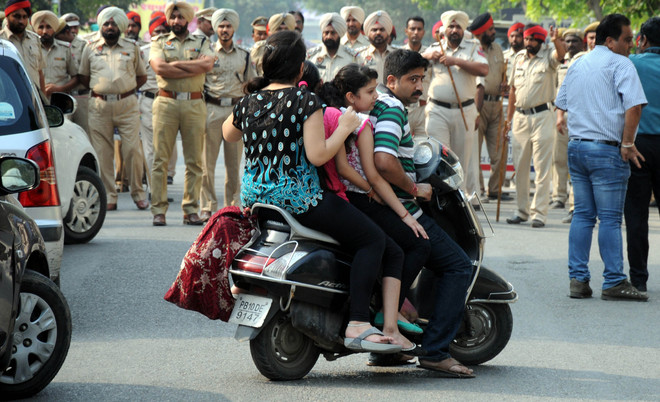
(283, 18)
(63, 24)
(184, 8)
(460, 17)
(46, 16)
(536, 32)
(573, 32)
(481, 24)
(117, 15)
(336, 21)
(155, 22)
(517, 27)
(132, 15)
(591, 27)
(225, 14)
(378, 17)
(355, 11)
(13, 5)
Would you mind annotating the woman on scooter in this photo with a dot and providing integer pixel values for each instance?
(281, 126)
(355, 87)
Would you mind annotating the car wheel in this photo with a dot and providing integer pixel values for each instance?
(87, 210)
(41, 338)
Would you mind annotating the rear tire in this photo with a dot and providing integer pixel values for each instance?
(281, 352)
(491, 326)
(87, 209)
(42, 335)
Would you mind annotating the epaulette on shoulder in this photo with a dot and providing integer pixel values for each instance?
(129, 39)
(350, 51)
(63, 43)
(360, 50)
(311, 52)
(241, 47)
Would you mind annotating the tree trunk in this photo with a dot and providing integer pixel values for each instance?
(594, 5)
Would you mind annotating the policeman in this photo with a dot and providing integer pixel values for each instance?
(378, 26)
(445, 120)
(80, 93)
(277, 22)
(415, 33)
(204, 26)
(515, 36)
(490, 116)
(330, 57)
(223, 89)
(134, 28)
(590, 35)
(354, 38)
(259, 26)
(113, 69)
(17, 14)
(532, 89)
(61, 72)
(179, 106)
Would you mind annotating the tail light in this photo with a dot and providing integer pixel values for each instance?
(254, 263)
(46, 194)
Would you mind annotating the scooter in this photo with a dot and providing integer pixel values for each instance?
(294, 302)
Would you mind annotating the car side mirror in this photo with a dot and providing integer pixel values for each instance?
(17, 175)
(65, 102)
(54, 115)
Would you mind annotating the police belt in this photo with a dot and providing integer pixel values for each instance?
(113, 97)
(492, 98)
(535, 109)
(221, 101)
(452, 105)
(179, 95)
(150, 95)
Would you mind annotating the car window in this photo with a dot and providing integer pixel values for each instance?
(18, 107)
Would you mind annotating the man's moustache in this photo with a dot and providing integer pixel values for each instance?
(417, 93)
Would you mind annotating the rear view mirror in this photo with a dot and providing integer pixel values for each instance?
(54, 115)
(64, 102)
(17, 175)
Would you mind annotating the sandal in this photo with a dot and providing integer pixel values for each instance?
(445, 367)
(360, 344)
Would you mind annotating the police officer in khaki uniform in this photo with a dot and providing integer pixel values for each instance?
(490, 115)
(223, 89)
(17, 14)
(259, 27)
(515, 36)
(134, 28)
(378, 27)
(113, 69)
(354, 38)
(180, 61)
(61, 72)
(444, 120)
(330, 57)
(204, 26)
(80, 93)
(416, 116)
(533, 88)
(277, 22)
(590, 35)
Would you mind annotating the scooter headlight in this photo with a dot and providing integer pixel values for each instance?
(423, 154)
(450, 168)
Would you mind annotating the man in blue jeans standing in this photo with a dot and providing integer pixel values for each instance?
(393, 147)
(604, 97)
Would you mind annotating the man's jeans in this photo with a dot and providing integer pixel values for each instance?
(600, 177)
(453, 271)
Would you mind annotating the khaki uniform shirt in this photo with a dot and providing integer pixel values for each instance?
(77, 47)
(170, 48)
(441, 88)
(372, 58)
(151, 85)
(360, 43)
(60, 65)
(329, 66)
(492, 81)
(28, 47)
(231, 70)
(257, 57)
(534, 78)
(509, 54)
(563, 67)
(112, 70)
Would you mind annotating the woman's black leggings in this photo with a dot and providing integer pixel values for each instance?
(359, 235)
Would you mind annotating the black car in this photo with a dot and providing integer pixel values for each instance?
(35, 322)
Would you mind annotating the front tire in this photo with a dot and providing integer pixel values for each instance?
(87, 209)
(42, 335)
(281, 352)
(484, 336)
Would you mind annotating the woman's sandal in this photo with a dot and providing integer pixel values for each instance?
(360, 344)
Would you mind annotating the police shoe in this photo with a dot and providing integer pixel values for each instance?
(159, 220)
(505, 197)
(515, 220)
(537, 223)
(557, 205)
(192, 219)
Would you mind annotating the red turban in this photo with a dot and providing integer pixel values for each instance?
(436, 27)
(518, 26)
(13, 5)
(156, 22)
(536, 32)
(132, 15)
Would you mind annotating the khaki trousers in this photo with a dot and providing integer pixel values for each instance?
(560, 167)
(417, 119)
(147, 136)
(534, 137)
(232, 155)
(446, 125)
(80, 117)
(169, 117)
(103, 118)
(489, 122)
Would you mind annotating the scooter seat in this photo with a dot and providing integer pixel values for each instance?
(297, 230)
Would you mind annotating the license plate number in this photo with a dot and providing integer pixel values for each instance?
(250, 310)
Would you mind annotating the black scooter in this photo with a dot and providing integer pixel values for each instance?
(296, 302)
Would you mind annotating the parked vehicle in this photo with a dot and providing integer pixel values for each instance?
(296, 278)
(35, 322)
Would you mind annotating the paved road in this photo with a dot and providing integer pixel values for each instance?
(129, 344)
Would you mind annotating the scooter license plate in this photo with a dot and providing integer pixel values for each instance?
(250, 310)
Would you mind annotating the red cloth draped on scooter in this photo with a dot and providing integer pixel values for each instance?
(202, 284)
